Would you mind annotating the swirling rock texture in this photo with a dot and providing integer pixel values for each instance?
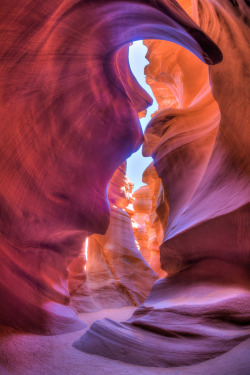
(117, 274)
(201, 153)
(146, 223)
(140, 219)
(157, 218)
(69, 107)
(81, 299)
(120, 188)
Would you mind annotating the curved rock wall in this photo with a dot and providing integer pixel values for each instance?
(147, 226)
(158, 217)
(116, 273)
(142, 205)
(201, 153)
(69, 107)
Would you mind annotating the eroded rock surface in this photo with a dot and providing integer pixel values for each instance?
(147, 227)
(116, 272)
(142, 205)
(200, 148)
(118, 275)
(69, 107)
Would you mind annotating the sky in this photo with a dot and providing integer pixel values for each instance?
(136, 164)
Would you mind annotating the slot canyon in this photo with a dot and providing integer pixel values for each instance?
(99, 276)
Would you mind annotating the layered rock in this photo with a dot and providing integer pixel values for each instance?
(116, 273)
(142, 206)
(81, 298)
(159, 205)
(120, 188)
(146, 223)
(157, 218)
(69, 107)
(201, 153)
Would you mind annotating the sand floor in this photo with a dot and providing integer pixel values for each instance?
(27, 354)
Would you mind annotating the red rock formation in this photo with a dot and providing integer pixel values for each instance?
(142, 206)
(157, 218)
(120, 188)
(146, 223)
(69, 107)
(142, 203)
(81, 299)
(117, 275)
(202, 309)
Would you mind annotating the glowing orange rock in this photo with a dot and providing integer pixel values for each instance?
(117, 274)
(157, 218)
(146, 222)
(142, 206)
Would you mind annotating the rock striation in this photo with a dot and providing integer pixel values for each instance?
(142, 205)
(69, 105)
(81, 299)
(157, 218)
(200, 146)
(146, 223)
(116, 273)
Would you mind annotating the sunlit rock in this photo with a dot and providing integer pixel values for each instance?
(200, 146)
(143, 202)
(157, 220)
(146, 223)
(140, 220)
(81, 299)
(69, 107)
(120, 188)
(69, 118)
(116, 273)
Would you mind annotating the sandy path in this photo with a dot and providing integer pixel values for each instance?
(26, 354)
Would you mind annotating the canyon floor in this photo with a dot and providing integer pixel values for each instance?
(27, 354)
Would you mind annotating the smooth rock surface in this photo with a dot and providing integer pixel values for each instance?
(115, 273)
(31, 354)
(69, 105)
(118, 275)
(200, 148)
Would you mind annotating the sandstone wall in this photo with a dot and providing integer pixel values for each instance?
(69, 107)
(200, 146)
(115, 273)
